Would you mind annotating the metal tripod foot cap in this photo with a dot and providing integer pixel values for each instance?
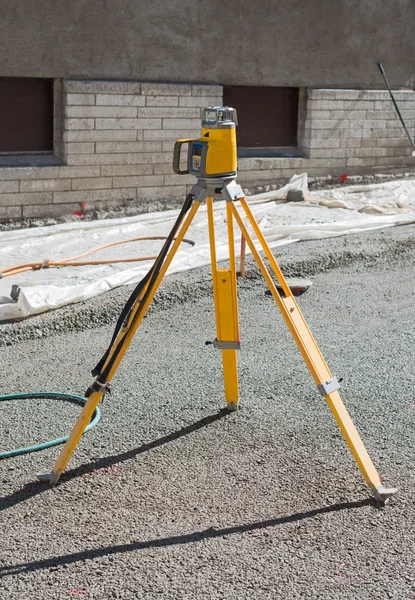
(231, 407)
(383, 494)
(50, 478)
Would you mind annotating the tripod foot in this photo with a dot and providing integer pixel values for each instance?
(51, 478)
(231, 407)
(383, 494)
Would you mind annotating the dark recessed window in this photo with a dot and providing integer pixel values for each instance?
(26, 115)
(267, 116)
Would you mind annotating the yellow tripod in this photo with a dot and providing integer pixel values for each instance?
(210, 186)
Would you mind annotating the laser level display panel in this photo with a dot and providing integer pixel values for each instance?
(196, 157)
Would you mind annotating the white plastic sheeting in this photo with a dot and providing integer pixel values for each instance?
(335, 212)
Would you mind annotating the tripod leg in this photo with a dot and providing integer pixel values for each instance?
(95, 397)
(226, 310)
(326, 383)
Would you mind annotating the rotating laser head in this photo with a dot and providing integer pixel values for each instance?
(213, 154)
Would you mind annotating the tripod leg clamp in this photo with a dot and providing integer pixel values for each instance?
(328, 386)
(226, 345)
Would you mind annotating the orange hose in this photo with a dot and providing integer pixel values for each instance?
(72, 262)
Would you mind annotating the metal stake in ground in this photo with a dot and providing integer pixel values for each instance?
(213, 158)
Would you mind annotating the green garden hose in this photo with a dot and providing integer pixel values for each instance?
(35, 448)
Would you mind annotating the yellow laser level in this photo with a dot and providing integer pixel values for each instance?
(213, 154)
(212, 158)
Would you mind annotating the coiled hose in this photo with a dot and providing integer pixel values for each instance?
(36, 447)
(74, 262)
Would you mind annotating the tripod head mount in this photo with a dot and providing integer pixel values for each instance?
(214, 153)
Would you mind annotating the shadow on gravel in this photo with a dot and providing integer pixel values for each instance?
(35, 487)
(187, 538)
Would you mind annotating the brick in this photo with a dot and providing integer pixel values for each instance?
(388, 133)
(117, 159)
(389, 143)
(178, 123)
(162, 101)
(315, 134)
(79, 171)
(127, 170)
(8, 186)
(200, 101)
(166, 112)
(80, 99)
(10, 212)
(325, 104)
(255, 164)
(77, 124)
(161, 193)
(171, 134)
(326, 162)
(355, 115)
(354, 143)
(113, 112)
(358, 105)
(25, 198)
(164, 168)
(361, 162)
(45, 185)
(207, 90)
(315, 113)
(325, 143)
(91, 183)
(14, 173)
(120, 100)
(174, 179)
(128, 123)
(93, 195)
(262, 175)
(381, 114)
(116, 135)
(168, 146)
(357, 133)
(138, 181)
(102, 87)
(50, 210)
(329, 152)
(399, 152)
(80, 148)
(395, 161)
(370, 152)
(121, 147)
(166, 89)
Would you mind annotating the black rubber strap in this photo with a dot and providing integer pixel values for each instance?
(150, 278)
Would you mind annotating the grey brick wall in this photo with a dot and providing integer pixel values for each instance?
(116, 140)
(342, 131)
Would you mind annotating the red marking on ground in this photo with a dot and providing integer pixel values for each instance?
(113, 470)
(342, 178)
(79, 591)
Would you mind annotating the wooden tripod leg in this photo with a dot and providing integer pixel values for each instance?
(93, 400)
(326, 383)
(226, 309)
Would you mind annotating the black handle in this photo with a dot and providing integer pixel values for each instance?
(176, 156)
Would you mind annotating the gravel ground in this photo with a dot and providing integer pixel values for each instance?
(168, 497)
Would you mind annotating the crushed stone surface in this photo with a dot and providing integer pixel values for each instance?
(168, 497)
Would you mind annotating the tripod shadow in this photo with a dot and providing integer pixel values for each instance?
(187, 538)
(36, 487)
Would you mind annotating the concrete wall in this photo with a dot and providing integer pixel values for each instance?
(304, 43)
(116, 143)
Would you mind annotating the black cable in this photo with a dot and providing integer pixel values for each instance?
(150, 278)
(382, 70)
